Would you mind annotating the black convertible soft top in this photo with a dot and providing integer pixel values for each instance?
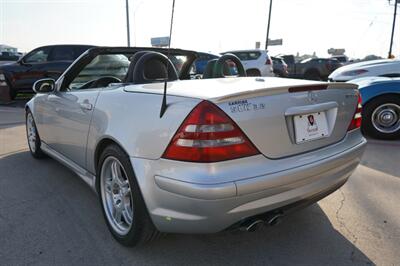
(185, 71)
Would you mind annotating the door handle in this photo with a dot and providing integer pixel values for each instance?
(86, 106)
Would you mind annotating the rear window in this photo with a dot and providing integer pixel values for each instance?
(246, 56)
(206, 57)
(61, 53)
(80, 50)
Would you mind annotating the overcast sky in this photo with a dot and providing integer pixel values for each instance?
(362, 27)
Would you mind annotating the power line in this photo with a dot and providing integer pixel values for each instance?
(127, 24)
(269, 23)
(393, 27)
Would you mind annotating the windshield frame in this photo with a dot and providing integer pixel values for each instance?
(87, 57)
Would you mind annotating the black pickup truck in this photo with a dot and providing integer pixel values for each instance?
(312, 68)
(6, 58)
(43, 62)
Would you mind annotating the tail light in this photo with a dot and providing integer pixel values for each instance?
(269, 61)
(209, 135)
(356, 121)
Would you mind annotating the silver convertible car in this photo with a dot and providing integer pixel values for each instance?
(168, 153)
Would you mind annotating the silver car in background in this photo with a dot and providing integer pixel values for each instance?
(193, 156)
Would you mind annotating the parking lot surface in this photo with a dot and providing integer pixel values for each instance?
(48, 216)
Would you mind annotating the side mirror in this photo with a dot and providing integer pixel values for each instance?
(21, 61)
(44, 86)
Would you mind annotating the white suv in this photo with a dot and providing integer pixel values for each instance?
(256, 62)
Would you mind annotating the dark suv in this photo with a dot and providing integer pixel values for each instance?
(43, 62)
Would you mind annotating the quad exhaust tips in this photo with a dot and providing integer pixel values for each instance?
(276, 219)
(252, 225)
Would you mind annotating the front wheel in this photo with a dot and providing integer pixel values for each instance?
(33, 136)
(13, 94)
(381, 117)
(121, 200)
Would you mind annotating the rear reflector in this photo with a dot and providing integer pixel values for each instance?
(356, 121)
(209, 135)
(308, 88)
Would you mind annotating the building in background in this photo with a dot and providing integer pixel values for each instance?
(160, 41)
(9, 50)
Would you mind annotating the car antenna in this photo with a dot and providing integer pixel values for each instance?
(164, 100)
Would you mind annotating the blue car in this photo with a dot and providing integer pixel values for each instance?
(381, 106)
(202, 60)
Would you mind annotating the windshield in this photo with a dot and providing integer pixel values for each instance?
(115, 65)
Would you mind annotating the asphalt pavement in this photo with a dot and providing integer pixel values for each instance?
(48, 216)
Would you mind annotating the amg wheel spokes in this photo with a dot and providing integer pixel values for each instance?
(116, 194)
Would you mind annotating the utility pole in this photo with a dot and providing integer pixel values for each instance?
(127, 24)
(269, 23)
(393, 27)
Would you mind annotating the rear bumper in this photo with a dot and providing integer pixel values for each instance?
(191, 206)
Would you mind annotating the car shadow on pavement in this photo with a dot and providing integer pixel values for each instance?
(305, 237)
(20, 102)
(48, 216)
(383, 156)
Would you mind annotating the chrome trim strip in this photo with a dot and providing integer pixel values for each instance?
(313, 108)
(87, 177)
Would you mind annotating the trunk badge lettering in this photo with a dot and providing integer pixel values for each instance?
(240, 106)
(312, 97)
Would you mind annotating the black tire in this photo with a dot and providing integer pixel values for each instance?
(367, 117)
(34, 146)
(12, 93)
(253, 73)
(312, 75)
(142, 229)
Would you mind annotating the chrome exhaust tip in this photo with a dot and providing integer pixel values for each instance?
(252, 226)
(275, 220)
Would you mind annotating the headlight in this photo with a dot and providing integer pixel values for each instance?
(354, 72)
(3, 80)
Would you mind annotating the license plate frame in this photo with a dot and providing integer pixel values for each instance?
(310, 127)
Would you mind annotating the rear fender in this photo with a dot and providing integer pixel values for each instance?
(370, 92)
(133, 121)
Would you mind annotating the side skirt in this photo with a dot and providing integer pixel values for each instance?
(87, 177)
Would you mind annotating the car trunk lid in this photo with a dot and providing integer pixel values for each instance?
(293, 120)
(273, 112)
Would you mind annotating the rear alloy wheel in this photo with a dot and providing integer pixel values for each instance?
(117, 195)
(382, 117)
(33, 136)
(121, 200)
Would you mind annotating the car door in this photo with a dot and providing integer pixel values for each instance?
(32, 68)
(70, 113)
